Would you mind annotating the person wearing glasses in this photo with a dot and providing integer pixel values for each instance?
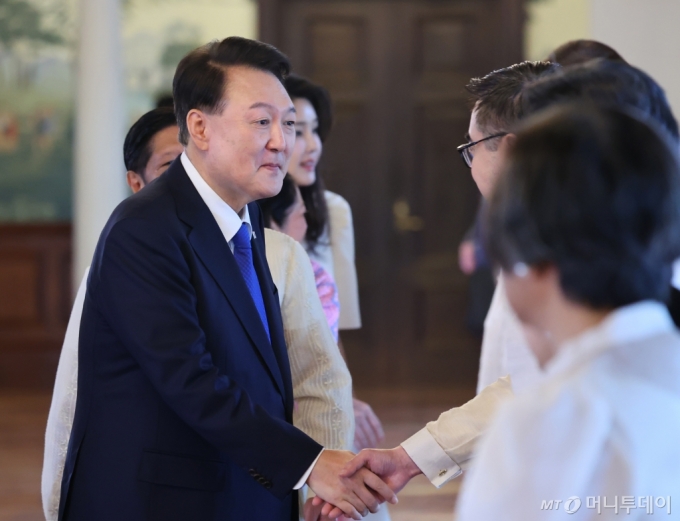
(584, 223)
(443, 449)
(496, 111)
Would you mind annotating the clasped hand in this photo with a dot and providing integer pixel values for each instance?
(394, 466)
(354, 495)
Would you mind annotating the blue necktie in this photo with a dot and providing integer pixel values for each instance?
(243, 253)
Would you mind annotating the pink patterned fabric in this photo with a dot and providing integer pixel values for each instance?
(328, 293)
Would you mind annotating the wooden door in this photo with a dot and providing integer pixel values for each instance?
(396, 71)
(35, 302)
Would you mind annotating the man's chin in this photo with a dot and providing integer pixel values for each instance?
(271, 189)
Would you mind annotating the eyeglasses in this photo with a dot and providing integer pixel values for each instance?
(466, 152)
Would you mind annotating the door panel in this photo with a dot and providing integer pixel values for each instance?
(396, 71)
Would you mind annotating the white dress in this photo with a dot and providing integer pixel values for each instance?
(335, 253)
(599, 436)
(322, 385)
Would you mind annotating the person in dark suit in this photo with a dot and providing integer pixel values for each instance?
(184, 408)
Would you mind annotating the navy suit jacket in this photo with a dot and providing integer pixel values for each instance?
(184, 408)
(674, 305)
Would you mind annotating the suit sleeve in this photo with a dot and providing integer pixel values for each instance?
(322, 384)
(143, 288)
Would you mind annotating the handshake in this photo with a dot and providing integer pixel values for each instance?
(352, 486)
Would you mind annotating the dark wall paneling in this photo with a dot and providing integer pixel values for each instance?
(397, 70)
(35, 301)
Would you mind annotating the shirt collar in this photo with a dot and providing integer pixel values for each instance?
(227, 219)
(632, 323)
(675, 280)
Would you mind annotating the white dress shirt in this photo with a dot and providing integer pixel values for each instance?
(227, 219)
(504, 348)
(600, 430)
(675, 280)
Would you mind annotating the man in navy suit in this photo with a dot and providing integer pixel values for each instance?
(184, 408)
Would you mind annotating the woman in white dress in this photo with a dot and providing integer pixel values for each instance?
(585, 223)
(330, 235)
(285, 213)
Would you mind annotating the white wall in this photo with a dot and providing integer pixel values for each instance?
(550, 23)
(647, 34)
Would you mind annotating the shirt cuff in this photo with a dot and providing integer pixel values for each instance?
(431, 458)
(304, 477)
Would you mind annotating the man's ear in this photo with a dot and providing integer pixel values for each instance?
(135, 181)
(508, 141)
(197, 125)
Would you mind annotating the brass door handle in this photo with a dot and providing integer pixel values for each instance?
(403, 220)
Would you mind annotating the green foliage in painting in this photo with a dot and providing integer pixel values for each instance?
(36, 111)
(21, 21)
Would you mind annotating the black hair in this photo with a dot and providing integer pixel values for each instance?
(299, 87)
(137, 146)
(200, 79)
(577, 52)
(276, 209)
(313, 195)
(602, 82)
(165, 100)
(495, 95)
(594, 192)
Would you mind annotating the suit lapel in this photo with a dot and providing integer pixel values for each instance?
(209, 244)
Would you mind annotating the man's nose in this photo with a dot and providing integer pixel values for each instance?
(277, 140)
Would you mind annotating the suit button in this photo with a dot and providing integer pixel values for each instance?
(268, 485)
(253, 473)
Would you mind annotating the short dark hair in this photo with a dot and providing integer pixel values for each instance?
(165, 100)
(276, 209)
(577, 52)
(313, 195)
(200, 79)
(137, 145)
(495, 95)
(595, 192)
(602, 82)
